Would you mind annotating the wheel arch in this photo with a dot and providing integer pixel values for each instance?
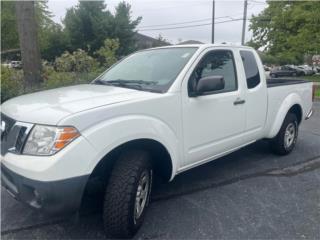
(161, 160)
(292, 104)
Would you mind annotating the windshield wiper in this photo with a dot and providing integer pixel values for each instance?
(142, 82)
(100, 82)
(135, 84)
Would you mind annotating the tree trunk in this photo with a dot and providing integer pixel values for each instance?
(28, 37)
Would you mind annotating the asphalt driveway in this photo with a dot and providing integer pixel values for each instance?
(250, 194)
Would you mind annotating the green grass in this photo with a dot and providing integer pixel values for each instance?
(313, 78)
(317, 92)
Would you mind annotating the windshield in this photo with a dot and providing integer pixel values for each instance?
(150, 70)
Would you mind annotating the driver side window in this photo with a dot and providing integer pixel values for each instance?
(215, 63)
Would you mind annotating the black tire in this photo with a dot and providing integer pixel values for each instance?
(278, 143)
(120, 220)
(273, 75)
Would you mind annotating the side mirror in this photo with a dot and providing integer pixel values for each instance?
(209, 84)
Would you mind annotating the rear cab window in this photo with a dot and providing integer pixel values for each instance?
(251, 68)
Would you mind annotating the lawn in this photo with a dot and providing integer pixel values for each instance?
(317, 92)
(313, 78)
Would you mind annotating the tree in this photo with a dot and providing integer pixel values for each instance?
(9, 33)
(52, 39)
(28, 37)
(123, 28)
(288, 29)
(87, 25)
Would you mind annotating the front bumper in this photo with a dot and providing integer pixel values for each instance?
(52, 197)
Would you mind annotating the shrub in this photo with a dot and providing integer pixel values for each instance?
(107, 53)
(78, 61)
(11, 83)
(55, 79)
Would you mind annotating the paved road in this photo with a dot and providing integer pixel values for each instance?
(248, 194)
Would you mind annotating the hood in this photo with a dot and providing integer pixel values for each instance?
(49, 107)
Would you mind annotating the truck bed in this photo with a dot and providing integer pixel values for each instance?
(275, 82)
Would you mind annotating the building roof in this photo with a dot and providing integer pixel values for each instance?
(190, 42)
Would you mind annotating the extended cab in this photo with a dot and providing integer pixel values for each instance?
(157, 112)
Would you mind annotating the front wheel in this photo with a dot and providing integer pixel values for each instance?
(286, 139)
(127, 194)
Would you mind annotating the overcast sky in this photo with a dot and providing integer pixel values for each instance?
(156, 12)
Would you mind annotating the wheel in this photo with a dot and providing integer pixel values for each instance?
(286, 139)
(127, 194)
(273, 75)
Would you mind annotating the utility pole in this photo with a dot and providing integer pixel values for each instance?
(244, 21)
(213, 10)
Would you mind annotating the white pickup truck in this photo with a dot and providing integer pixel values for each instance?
(158, 112)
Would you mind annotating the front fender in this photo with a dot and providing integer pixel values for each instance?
(112, 133)
(291, 100)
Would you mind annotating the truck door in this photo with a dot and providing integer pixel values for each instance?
(212, 123)
(256, 95)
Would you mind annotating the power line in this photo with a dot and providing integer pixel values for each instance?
(178, 23)
(197, 25)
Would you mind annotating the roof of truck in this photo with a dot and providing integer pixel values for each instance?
(206, 45)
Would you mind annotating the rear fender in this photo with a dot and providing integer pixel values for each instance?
(291, 100)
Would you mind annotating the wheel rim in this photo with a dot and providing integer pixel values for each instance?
(141, 195)
(290, 135)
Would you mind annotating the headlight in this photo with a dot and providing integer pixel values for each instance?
(47, 140)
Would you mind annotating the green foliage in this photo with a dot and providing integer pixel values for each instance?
(288, 29)
(11, 83)
(88, 24)
(55, 79)
(123, 28)
(9, 33)
(52, 39)
(107, 53)
(268, 59)
(78, 61)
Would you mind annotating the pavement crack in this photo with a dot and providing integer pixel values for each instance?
(30, 227)
(296, 169)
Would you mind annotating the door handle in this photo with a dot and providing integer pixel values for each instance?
(239, 101)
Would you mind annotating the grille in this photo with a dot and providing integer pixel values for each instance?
(13, 134)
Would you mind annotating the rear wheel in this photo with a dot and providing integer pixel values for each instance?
(286, 139)
(127, 194)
